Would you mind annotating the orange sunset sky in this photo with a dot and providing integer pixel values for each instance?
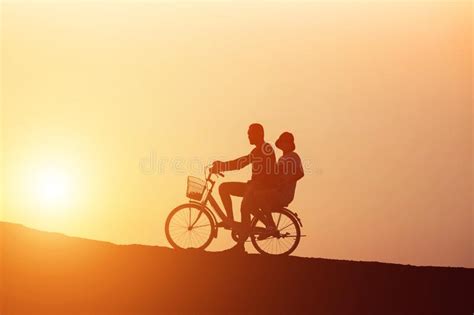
(107, 106)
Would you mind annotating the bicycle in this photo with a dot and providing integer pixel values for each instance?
(195, 224)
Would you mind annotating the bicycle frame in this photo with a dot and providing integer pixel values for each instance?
(210, 199)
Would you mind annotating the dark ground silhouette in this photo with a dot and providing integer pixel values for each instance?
(49, 273)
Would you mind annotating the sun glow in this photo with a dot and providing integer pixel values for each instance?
(53, 187)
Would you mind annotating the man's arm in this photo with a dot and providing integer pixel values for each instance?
(236, 164)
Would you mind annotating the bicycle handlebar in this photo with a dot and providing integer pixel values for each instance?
(216, 173)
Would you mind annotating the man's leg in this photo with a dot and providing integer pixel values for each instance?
(226, 190)
(248, 205)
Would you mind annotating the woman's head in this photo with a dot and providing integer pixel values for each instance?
(286, 142)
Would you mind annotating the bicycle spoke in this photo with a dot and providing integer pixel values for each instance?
(189, 240)
(201, 234)
(200, 237)
(192, 236)
(286, 243)
(177, 227)
(195, 238)
(178, 231)
(182, 236)
(291, 223)
(267, 242)
(200, 226)
(176, 222)
(180, 218)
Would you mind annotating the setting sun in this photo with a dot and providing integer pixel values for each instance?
(52, 187)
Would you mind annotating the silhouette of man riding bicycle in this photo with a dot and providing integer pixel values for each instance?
(272, 228)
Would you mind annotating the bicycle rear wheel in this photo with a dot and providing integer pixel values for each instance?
(189, 226)
(282, 241)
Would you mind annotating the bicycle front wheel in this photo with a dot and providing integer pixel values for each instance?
(283, 240)
(189, 226)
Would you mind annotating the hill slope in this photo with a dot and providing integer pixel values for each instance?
(48, 273)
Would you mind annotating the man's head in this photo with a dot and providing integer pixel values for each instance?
(256, 134)
(286, 142)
